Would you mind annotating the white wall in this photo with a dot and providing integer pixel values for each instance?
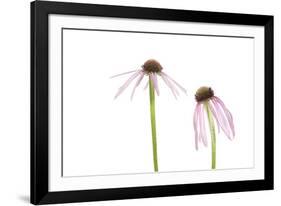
(14, 102)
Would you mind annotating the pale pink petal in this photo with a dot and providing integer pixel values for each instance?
(215, 114)
(195, 123)
(202, 135)
(222, 119)
(227, 117)
(117, 75)
(168, 83)
(137, 84)
(146, 85)
(155, 83)
(126, 84)
(228, 114)
(176, 83)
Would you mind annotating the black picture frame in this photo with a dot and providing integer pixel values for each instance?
(39, 102)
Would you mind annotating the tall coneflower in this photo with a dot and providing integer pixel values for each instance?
(151, 68)
(215, 109)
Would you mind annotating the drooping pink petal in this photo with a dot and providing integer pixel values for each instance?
(219, 113)
(117, 75)
(202, 135)
(215, 115)
(176, 83)
(137, 84)
(168, 83)
(155, 82)
(195, 123)
(146, 85)
(227, 118)
(126, 84)
(222, 119)
(228, 114)
(199, 122)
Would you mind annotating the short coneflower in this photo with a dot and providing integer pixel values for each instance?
(214, 107)
(151, 68)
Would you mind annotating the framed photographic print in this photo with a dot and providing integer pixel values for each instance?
(130, 102)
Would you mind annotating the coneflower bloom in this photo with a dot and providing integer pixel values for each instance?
(214, 107)
(151, 68)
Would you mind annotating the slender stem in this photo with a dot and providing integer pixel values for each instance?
(153, 124)
(213, 133)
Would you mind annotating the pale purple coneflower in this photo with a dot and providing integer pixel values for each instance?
(151, 68)
(215, 109)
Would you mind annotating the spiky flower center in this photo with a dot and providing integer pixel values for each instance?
(152, 65)
(204, 93)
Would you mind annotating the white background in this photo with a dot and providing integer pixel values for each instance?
(96, 125)
(14, 105)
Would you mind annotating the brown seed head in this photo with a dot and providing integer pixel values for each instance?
(204, 93)
(152, 65)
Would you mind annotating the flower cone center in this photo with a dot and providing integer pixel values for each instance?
(152, 65)
(204, 93)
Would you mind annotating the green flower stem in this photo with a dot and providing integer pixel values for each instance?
(153, 124)
(213, 133)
